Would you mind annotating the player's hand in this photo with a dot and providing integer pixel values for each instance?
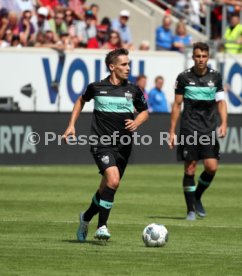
(130, 125)
(70, 131)
(222, 131)
(172, 136)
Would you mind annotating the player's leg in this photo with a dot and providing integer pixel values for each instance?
(85, 217)
(103, 161)
(94, 206)
(107, 190)
(112, 177)
(210, 155)
(188, 153)
(204, 181)
(189, 188)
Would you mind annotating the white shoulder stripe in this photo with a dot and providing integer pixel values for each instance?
(219, 96)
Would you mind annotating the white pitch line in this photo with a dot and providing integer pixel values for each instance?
(121, 223)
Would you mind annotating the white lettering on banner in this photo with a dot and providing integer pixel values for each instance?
(59, 82)
(232, 142)
(56, 85)
(13, 140)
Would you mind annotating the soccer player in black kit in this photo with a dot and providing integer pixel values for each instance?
(115, 100)
(200, 89)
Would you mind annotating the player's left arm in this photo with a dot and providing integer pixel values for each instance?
(132, 125)
(222, 110)
(141, 106)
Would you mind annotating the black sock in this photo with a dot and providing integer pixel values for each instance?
(203, 183)
(105, 205)
(93, 208)
(189, 191)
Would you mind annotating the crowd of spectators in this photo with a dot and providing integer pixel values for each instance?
(195, 12)
(62, 24)
(166, 40)
(69, 24)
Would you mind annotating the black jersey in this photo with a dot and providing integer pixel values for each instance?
(200, 111)
(113, 104)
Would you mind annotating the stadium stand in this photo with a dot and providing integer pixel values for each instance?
(69, 20)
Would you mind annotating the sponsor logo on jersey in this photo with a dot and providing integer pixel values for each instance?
(103, 92)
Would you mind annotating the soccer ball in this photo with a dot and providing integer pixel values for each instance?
(155, 235)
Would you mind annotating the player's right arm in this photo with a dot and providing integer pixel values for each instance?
(176, 108)
(175, 114)
(79, 104)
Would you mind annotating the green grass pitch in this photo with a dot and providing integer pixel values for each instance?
(39, 207)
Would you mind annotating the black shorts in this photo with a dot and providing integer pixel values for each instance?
(108, 157)
(195, 152)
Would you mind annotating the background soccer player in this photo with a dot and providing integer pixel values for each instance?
(114, 102)
(200, 89)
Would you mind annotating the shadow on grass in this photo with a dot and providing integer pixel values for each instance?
(100, 243)
(166, 217)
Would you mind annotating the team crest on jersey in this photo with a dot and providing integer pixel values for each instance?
(128, 95)
(105, 159)
(211, 84)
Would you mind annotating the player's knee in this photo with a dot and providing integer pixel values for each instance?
(211, 170)
(113, 182)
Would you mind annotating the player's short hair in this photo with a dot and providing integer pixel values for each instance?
(112, 56)
(200, 45)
